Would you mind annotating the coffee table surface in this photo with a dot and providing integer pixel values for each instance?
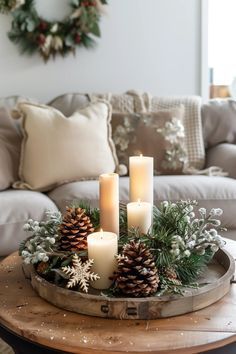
(25, 314)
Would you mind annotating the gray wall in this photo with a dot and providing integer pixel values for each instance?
(151, 45)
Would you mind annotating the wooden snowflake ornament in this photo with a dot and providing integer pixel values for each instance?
(79, 273)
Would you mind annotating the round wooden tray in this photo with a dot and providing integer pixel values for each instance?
(213, 285)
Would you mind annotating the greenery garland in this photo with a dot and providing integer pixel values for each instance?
(179, 242)
(35, 34)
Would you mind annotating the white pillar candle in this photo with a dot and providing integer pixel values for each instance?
(141, 178)
(139, 216)
(102, 248)
(109, 202)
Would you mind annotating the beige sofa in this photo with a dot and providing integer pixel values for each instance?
(219, 132)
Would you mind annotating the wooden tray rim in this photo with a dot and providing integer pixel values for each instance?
(204, 289)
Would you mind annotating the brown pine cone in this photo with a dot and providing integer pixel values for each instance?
(42, 267)
(171, 275)
(74, 229)
(137, 273)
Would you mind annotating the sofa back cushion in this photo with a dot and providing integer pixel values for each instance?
(10, 142)
(219, 122)
(160, 135)
(70, 103)
(57, 149)
(135, 102)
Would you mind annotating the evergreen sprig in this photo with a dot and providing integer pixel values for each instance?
(182, 245)
(93, 213)
(190, 268)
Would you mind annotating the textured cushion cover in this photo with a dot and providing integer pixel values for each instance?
(16, 208)
(58, 149)
(192, 123)
(10, 143)
(160, 135)
(211, 192)
(219, 122)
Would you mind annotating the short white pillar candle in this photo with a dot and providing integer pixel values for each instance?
(109, 202)
(139, 216)
(103, 248)
(141, 178)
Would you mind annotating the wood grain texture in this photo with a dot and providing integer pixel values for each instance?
(215, 284)
(22, 311)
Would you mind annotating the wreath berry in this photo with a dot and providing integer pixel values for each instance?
(35, 34)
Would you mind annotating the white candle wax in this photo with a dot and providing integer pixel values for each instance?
(139, 216)
(102, 248)
(109, 202)
(141, 178)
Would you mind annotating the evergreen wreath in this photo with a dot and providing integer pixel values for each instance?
(168, 259)
(50, 38)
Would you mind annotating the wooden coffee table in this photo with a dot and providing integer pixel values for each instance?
(33, 326)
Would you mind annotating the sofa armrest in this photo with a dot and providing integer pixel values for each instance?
(224, 156)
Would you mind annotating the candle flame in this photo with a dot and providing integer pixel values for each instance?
(139, 200)
(141, 155)
(101, 230)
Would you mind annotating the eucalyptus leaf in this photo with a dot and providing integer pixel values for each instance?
(66, 262)
(61, 273)
(75, 3)
(95, 30)
(84, 18)
(69, 41)
(54, 261)
(30, 25)
(23, 26)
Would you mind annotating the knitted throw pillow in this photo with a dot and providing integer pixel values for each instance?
(58, 149)
(160, 135)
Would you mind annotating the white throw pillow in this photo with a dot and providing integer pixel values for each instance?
(58, 149)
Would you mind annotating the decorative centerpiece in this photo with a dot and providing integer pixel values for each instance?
(124, 251)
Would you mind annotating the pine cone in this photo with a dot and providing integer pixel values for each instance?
(42, 267)
(74, 229)
(171, 275)
(136, 274)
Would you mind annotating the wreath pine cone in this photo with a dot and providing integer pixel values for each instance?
(74, 229)
(136, 274)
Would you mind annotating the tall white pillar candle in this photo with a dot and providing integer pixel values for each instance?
(139, 216)
(141, 178)
(109, 202)
(102, 248)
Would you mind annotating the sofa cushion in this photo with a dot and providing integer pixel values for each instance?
(70, 102)
(210, 192)
(219, 122)
(192, 123)
(10, 144)
(223, 156)
(16, 208)
(57, 149)
(135, 102)
(160, 135)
